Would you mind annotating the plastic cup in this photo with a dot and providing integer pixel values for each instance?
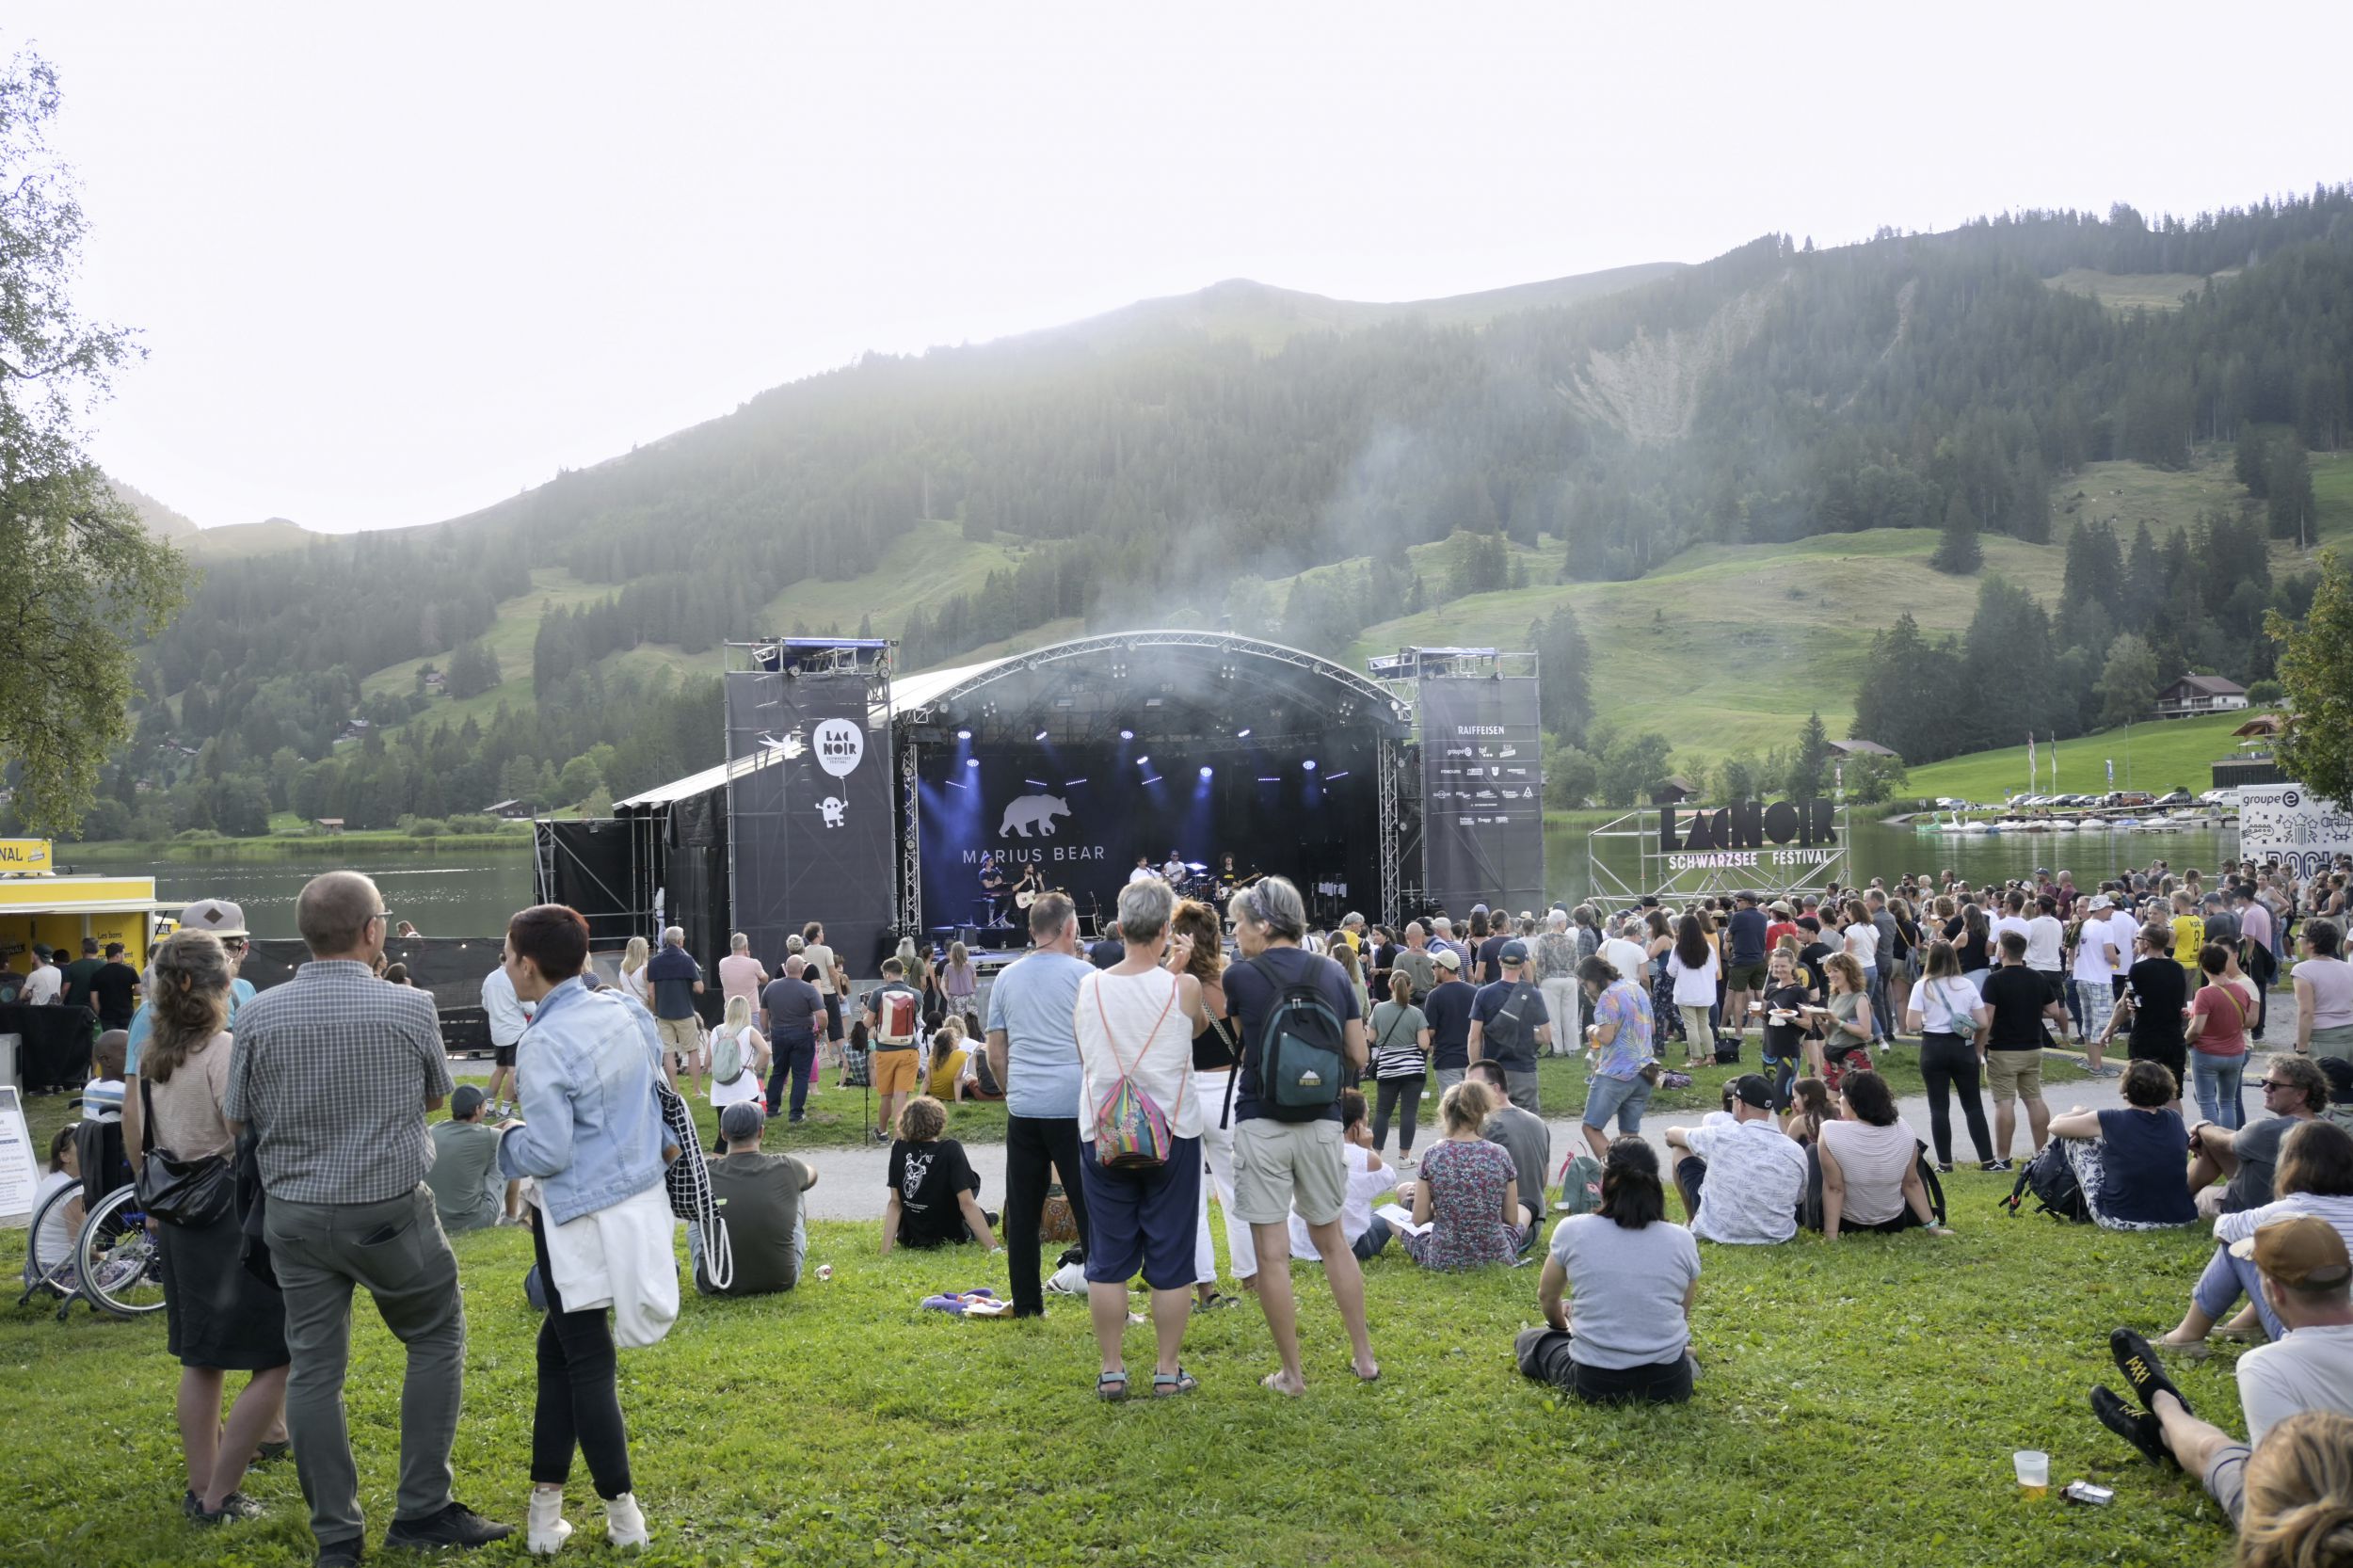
(825, 1271)
(2034, 1471)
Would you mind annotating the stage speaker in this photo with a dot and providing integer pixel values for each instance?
(970, 937)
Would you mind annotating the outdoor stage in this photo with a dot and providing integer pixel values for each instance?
(876, 803)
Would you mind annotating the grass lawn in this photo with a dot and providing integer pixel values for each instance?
(1858, 1403)
(2163, 753)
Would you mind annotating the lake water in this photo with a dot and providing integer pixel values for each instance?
(448, 894)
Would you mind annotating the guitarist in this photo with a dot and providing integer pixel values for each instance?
(1026, 891)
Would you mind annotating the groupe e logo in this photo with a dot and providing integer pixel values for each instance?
(2290, 798)
(840, 745)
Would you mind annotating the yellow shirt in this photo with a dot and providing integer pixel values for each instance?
(2189, 935)
(941, 1085)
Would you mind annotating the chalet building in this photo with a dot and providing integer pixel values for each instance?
(2200, 694)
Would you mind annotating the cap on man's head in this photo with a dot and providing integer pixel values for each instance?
(1512, 951)
(2101, 901)
(465, 1102)
(1744, 896)
(215, 914)
(41, 951)
(1780, 906)
(2303, 1253)
(1447, 958)
(2339, 1073)
(1478, 909)
(1754, 1090)
(740, 1123)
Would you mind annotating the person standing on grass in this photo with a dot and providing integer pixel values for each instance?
(1625, 1334)
(1400, 1065)
(507, 1019)
(1216, 1054)
(2017, 1003)
(2220, 1015)
(833, 982)
(1135, 1025)
(740, 973)
(894, 1025)
(2098, 962)
(1509, 1026)
(334, 1071)
(676, 980)
(592, 1135)
(1448, 1010)
(1555, 964)
(1744, 966)
(2154, 998)
(1952, 1022)
(220, 1318)
(1034, 1051)
(1691, 965)
(2323, 982)
(1285, 1162)
(1739, 1176)
(1623, 1050)
(2255, 955)
(793, 1014)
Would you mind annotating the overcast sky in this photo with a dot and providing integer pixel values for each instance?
(393, 263)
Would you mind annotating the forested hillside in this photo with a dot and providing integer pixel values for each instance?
(1167, 469)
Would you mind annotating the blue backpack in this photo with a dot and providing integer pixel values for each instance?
(1301, 1050)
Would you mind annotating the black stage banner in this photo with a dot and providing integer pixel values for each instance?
(812, 831)
(1482, 793)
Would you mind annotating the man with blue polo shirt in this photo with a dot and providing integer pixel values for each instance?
(224, 920)
(1033, 1050)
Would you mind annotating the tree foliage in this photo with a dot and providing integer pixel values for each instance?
(83, 575)
(2316, 669)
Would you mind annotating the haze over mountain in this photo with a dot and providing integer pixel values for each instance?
(1510, 452)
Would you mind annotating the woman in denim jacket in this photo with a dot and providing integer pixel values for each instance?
(593, 1137)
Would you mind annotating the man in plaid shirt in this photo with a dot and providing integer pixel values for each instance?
(334, 1072)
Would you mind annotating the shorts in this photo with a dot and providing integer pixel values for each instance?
(2057, 982)
(1621, 1097)
(2014, 1075)
(1143, 1221)
(503, 1056)
(833, 1015)
(681, 1038)
(1279, 1165)
(1745, 977)
(895, 1069)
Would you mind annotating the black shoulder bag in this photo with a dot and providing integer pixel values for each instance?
(191, 1193)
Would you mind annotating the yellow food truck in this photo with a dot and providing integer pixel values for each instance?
(37, 904)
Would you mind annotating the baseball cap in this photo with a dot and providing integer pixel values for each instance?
(2101, 901)
(1478, 909)
(1447, 958)
(740, 1123)
(465, 1101)
(1754, 1090)
(1744, 896)
(215, 914)
(2303, 1253)
(1513, 952)
(1780, 906)
(41, 951)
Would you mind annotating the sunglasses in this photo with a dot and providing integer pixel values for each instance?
(2267, 1084)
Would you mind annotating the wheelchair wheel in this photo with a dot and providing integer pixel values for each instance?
(48, 1268)
(121, 1268)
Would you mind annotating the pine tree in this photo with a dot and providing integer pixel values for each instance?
(1957, 548)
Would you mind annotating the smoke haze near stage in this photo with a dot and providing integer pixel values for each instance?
(1082, 813)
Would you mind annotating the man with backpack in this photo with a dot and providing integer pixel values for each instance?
(1509, 1025)
(1303, 1039)
(894, 1025)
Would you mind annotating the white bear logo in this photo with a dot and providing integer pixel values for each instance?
(1037, 811)
(833, 805)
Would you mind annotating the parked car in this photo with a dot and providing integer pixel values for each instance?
(2176, 797)
(2129, 797)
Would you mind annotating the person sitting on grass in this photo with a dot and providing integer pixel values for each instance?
(2297, 1092)
(469, 1190)
(1811, 1104)
(1871, 1165)
(1522, 1135)
(1740, 1178)
(2306, 1378)
(1625, 1332)
(950, 1075)
(1367, 1179)
(935, 1192)
(1468, 1193)
(2315, 1178)
(760, 1196)
(2128, 1160)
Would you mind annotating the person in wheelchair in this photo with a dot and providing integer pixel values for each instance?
(52, 1244)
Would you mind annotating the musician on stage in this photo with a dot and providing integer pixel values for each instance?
(1173, 870)
(1025, 891)
(993, 889)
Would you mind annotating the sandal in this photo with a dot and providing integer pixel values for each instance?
(1216, 1299)
(1272, 1383)
(1110, 1386)
(1166, 1384)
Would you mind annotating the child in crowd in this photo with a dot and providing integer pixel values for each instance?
(102, 1097)
(935, 1192)
(62, 1224)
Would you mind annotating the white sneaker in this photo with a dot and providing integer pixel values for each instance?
(545, 1532)
(624, 1526)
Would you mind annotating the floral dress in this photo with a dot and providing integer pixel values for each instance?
(1467, 1182)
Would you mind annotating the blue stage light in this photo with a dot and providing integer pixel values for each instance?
(1039, 736)
(1152, 779)
(1206, 770)
(972, 761)
(1309, 764)
(1335, 777)
(1143, 761)
(1127, 735)
(964, 734)
(1242, 734)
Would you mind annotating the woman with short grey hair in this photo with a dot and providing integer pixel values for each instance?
(1135, 1023)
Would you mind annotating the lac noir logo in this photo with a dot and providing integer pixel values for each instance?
(840, 745)
(1751, 824)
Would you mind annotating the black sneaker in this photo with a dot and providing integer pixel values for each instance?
(454, 1526)
(233, 1506)
(270, 1453)
(2141, 1368)
(1944, 1167)
(338, 1554)
(191, 1506)
(2001, 1167)
(2137, 1427)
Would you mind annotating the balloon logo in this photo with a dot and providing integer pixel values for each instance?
(840, 745)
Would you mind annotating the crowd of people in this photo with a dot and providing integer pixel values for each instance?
(1224, 1051)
